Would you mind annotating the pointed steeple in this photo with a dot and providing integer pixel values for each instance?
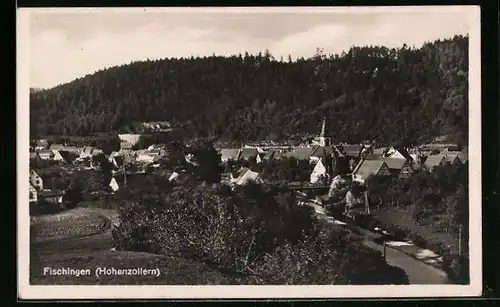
(323, 128)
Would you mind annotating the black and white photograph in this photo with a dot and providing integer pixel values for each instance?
(197, 153)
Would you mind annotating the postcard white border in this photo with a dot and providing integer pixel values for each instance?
(27, 291)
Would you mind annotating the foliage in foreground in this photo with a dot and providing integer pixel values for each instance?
(255, 231)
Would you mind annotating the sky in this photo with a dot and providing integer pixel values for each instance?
(66, 45)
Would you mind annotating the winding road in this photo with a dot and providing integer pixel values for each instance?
(418, 272)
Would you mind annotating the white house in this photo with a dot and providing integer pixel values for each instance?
(57, 156)
(318, 172)
(33, 194)
(46, 154)
(36, 180)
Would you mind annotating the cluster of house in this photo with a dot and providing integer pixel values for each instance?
(62, 153)
(356, 160)
(361, 160)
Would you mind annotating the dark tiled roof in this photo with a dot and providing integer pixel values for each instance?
(249, 153)
(302, 153)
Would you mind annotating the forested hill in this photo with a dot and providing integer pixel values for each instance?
(368, 93)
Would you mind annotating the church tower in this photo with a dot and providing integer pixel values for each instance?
(322, 139)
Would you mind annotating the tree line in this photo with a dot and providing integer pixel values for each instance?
(390, 95)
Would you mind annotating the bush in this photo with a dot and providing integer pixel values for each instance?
(254, 230)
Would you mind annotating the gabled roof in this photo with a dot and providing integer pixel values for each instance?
(32, 171)
(248, 153)
(60, 154)
(229, 153)
(322, 151)
(368, 167)
(246, 176)
(88, 150)
(402, 151)
(71, 149)
(451, 157)
(301, 153)
(56, 147)
(462, 155)
(394, 164)
(269, 154)
(434, 160)
(132, 178)
(353, 150)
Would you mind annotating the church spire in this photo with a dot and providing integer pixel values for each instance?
(323, 128)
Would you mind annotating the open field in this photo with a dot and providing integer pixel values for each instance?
(62, 241)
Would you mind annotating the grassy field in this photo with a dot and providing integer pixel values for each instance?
(81, 239)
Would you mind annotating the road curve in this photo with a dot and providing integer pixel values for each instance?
(418, 272)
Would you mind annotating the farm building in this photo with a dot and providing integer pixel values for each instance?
(367, 168)
(434, 161)
(250, 154)
(245, 176)
(227, 154)
(36, 180)
(400, 167)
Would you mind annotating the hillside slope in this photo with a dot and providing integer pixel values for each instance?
(390, 95)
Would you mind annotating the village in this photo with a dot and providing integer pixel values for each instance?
(327, 164)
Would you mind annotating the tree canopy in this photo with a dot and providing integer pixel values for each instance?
(367, 93)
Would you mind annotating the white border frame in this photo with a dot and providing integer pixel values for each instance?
(27, 291)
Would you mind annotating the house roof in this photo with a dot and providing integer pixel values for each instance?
(246, 175)
(402, 151)
(87, 150)
(46, 152)
(64, 154)
(301, 153)
(248, 153)
(379, 151)
(270, 154)
(375, 157)
(51, 193)
(353, 150)
(368, 167)
(433, 160)
(322, 151)
(451, 157)
(56, 147)
(229, 153)
(394, 163)
(71, 149)
(462, 155)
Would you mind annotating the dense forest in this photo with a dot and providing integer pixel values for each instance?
(404, 95)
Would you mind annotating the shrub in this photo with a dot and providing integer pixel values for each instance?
(254, 230)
